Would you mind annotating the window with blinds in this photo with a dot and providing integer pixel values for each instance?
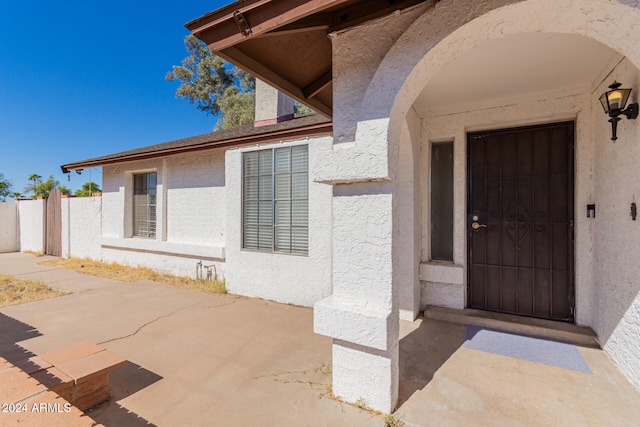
(276, 200)
(144, 205)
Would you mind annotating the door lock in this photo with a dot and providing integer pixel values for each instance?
(476, 226)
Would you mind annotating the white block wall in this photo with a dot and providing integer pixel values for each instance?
(31, 217)
(8, 227)
(81, 227)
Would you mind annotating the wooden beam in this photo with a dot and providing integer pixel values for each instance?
(363, 11)
(259, 70)
(267, 17)
(318, 84)
(217, 16)
(316, 22)
(288, 32)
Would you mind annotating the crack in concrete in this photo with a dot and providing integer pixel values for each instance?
(159, 318)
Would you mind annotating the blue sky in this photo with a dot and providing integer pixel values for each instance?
(81, 79)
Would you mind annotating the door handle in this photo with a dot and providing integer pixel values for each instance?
(476, 226)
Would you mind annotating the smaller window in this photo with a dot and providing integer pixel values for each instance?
(144, 205)
(442, 201)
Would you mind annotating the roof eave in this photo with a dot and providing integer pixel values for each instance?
(309, 131)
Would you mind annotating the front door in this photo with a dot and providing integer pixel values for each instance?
(520, 221)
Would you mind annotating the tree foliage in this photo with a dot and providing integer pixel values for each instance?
(5, 187)
(217, 87)
(34, 180)
(41, 188)
(213, 85)
(88, 188)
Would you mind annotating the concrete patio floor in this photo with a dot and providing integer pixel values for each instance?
(199, 360)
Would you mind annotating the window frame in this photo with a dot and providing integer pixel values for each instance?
(273, 200)
(151, 235)
(435, 220)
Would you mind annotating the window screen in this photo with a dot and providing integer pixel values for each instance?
(144, 205)
(276, 200)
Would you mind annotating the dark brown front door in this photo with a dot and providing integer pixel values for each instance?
(520, 221)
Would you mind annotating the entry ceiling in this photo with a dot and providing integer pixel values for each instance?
(285, 42)
(517, 66)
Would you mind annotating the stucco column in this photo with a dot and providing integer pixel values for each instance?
(362, 316)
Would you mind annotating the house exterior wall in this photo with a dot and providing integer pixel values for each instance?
(31, 223)
(81, 227)
(410, 195)
(190, 214)
(294, 279)
(9, 228)
(616, 297)
(369, 124)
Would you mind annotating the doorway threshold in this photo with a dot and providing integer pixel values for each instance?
(549, 329)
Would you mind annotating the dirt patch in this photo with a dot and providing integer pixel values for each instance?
(127, 273)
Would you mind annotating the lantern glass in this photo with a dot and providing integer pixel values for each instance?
(615, 99)
(604, 102)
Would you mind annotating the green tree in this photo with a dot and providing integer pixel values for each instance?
(88, 188)
(5, 187)
(16, 195)
(31, 188)
(43, 188)
(216, 87)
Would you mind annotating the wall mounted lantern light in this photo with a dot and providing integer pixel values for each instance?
(613, 101)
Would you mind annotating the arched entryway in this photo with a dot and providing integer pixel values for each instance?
(462, 67)
(497, 73)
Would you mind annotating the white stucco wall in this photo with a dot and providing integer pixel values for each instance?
(31, 223)
(81, 227)
(380, 106)
(409, 191)
(196, 199)
(294, 279)
(357, 54)
(8, 227)
(190, 214)
(616, 235)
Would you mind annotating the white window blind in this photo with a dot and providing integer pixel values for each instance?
(276, 200)
(144, 205)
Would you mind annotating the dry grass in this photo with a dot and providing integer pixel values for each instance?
(126, 273)
(18, 291)
(36, 253)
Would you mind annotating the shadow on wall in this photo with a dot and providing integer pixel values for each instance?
(124, 382)
(619, 311)
(423, 352)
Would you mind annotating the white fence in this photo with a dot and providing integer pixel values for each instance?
(24, 223)
(81, 227)
(8, 227)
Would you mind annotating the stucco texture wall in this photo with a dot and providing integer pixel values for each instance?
(81, 227)
(616, 235)
(294, 279)
(31, 217)
(370, 122)
(190, 214)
